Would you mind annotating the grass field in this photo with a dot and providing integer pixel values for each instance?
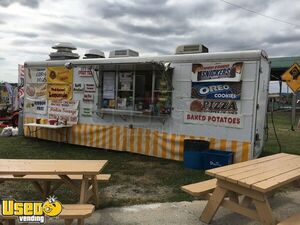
(135, 179)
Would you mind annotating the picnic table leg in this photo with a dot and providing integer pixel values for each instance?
(95, 190)
(213, 204)
(84, 189)
(264, 211)
(246, 202)
(83, 194)
(68, 221)
(80, 222)
(46, 188)
(233, 196)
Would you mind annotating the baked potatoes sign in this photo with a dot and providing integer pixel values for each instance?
(223, 71)
(59, 75)
(223, 120)
(216, 90)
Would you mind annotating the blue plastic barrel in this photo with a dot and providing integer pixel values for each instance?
(194, 153)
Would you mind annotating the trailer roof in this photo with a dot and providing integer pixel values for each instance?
(234, 56)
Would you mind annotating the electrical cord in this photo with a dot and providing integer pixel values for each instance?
(275, 133)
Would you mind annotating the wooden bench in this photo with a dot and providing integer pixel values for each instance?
(293, 220)
(69, 213)
(200, 189)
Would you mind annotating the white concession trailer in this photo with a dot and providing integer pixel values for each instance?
(150, 105)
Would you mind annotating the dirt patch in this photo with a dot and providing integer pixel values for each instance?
(135, 192)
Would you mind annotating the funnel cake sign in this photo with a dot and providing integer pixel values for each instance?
(224, 71)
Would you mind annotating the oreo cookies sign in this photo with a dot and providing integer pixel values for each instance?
(216, 90)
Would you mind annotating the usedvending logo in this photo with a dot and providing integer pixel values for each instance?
(31, 211)
(215, 106)
(208, 71)
(216, 90)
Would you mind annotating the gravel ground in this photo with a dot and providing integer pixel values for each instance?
(284, 204)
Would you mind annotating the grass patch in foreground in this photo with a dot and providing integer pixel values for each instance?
(136, 179)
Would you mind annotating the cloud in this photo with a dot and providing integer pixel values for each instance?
(28, 3)
(2, 58)
(151, 27)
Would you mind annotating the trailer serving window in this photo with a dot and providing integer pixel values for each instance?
(141, 89)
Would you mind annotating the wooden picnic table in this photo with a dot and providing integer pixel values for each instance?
(255, 180)
(88, 169)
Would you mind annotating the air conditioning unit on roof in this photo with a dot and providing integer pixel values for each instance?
(93, 53)
(123, 53)
(190, 49)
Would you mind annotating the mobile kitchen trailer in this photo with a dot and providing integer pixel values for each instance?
(149, 105)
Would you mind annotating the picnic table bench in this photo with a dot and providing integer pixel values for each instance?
(254, 180)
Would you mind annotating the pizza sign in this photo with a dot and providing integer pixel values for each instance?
(292, 77)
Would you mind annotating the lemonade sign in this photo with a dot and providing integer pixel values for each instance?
(31, 211)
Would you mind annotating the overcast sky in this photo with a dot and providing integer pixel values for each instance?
(28, 28)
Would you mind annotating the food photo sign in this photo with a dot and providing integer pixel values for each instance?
(224, 71)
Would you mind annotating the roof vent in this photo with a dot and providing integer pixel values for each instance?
(123, 53)
(64, 51)
(190, 49)
(93, 53)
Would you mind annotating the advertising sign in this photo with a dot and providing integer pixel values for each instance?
(36, 91)
(216, 106)
(59, 75)
(36, 75)
(59, 92)
(85, 71)
(36, 106)
(216, 90)
(88, 98)
(90, 88)
(78, 87)
(64, 111)
(40, 107)
(87, 112)
(72, 104)
(223, 71)
(222, 120)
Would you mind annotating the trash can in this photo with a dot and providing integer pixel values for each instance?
(194, 153)
(217, 158)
